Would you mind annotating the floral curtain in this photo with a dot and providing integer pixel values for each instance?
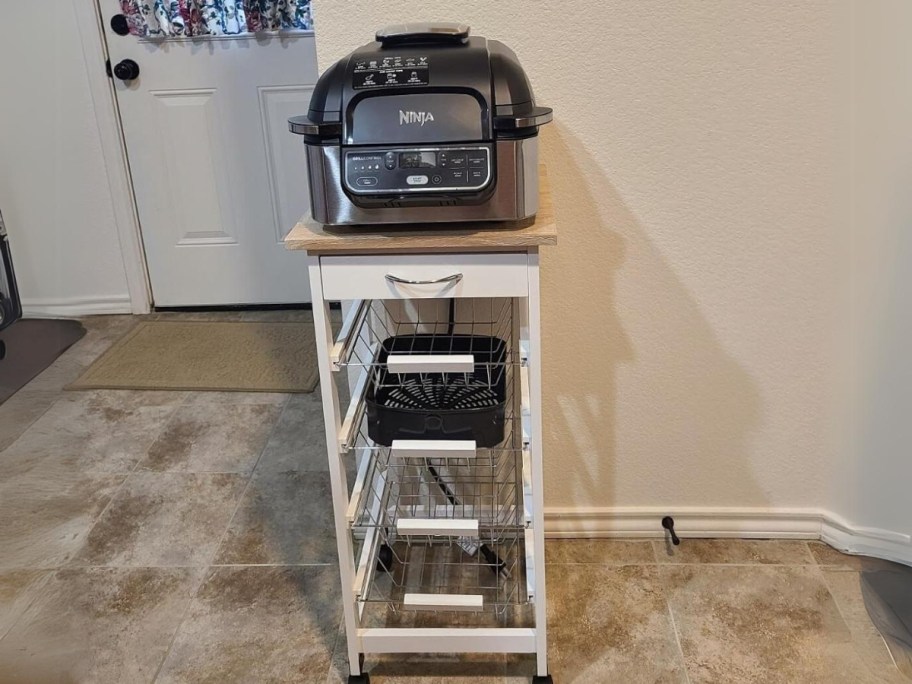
(164, 18)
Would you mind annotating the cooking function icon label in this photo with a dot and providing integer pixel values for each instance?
(391, 71)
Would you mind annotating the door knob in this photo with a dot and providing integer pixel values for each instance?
(126, 70)
(119, 24)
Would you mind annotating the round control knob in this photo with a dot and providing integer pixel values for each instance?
(126, 70)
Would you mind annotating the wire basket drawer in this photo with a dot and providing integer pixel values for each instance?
(461, 405)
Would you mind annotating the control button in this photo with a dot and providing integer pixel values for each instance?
(458, 176)
(476, 160)
(366, 181)
(436, 180)
(477, 176)
(417, 180)
(390, 160)
(457, 160)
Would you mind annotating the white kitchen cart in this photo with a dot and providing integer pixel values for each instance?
(441, 544)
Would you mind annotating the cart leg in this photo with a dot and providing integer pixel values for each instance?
(362, 678)
(530, 330)
(338, 480)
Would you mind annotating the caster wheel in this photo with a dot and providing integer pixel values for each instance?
(538, 679)
(363, 678)
(385, 558)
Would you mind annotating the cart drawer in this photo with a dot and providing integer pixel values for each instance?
(424, 276)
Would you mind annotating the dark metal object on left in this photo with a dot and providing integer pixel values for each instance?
(10, 305)
(669, 524)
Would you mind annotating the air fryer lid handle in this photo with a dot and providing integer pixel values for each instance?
(441, 33)
(530, 118)
(304, 125)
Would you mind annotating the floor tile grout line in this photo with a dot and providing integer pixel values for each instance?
(240, 500)
(332, 655)
(48, 574)
(835, 600)
(57, 398)
(127, 476)
(621, 564)
(839, 609)
(136, 469)
(677, 635)
(52, 568)
(180, 623)
(810, 554)
(218, 546)
(147, 566)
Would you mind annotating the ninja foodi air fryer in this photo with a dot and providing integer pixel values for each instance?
(425, 124)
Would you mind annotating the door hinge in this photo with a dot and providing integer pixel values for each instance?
(108, 68)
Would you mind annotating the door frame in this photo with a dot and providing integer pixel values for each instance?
(89, 20)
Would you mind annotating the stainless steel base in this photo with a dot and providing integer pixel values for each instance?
(515, 196)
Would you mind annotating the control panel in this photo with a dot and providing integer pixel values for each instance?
(414, 170)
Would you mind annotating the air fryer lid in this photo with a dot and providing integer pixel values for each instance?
(419, 84)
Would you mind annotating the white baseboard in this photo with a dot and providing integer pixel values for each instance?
(866, 541)
(743, 523)
(76, 306)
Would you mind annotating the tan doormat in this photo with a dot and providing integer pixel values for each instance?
(257, 356)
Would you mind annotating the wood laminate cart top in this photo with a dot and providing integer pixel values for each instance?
(316, 238)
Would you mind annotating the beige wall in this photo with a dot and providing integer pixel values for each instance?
(690, 307)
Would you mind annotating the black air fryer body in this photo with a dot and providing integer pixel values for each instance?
(426, 124)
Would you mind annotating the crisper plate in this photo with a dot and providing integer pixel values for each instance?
(456, 395)
(445, 405)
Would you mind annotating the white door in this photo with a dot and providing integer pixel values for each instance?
(218, 178)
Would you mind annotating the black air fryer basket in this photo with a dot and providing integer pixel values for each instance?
(439, 405)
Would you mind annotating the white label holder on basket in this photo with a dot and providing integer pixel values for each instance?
(434, 448)
(468, 602)
(430, 363)
(437, 527)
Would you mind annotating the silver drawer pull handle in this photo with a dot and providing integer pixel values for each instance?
(455, 278)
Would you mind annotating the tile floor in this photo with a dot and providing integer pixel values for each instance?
(186, 537)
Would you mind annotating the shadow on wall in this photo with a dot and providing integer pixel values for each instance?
(686, 408)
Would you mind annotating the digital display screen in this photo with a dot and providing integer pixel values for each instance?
(417, 160)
